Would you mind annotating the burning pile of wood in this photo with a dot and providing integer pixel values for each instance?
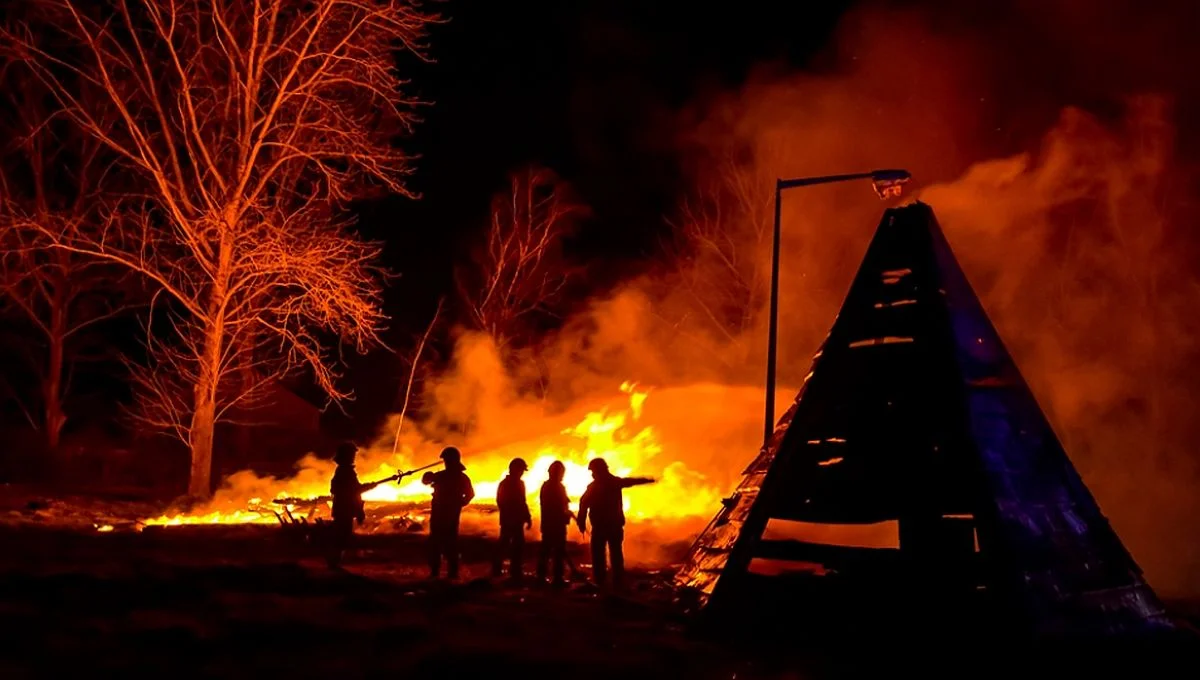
(302, 514)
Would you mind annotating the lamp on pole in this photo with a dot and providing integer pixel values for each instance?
(886, 183)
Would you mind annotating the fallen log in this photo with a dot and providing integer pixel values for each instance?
(318, 500)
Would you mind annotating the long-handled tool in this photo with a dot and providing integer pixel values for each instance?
(396, 477)
(401, 475)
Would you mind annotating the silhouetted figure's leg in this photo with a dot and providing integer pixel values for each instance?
(339, 541)
(559, 553)
(570, 563)
(451, 550)
(435, 551)
(543, 556)
(516, 560)
(501, 551)
(598, 567)
(617, 556)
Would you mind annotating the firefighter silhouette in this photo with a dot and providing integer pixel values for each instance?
(556, 515)
(514, 520)
(452, 491)
(348, 505)
(603, 503)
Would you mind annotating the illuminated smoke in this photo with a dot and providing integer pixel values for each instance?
(1072, 223)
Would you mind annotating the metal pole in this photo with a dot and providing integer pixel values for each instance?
(827, 179)
(893, 176)
(773, 321)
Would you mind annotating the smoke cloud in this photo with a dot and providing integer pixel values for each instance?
(1082, 254)
(1064, 186)
(1046, 138)
(1062, 179)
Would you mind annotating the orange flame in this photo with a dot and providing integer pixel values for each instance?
(616, 435)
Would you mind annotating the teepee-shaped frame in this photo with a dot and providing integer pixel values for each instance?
(915, 412)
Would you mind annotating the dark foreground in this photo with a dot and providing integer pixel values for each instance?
(241, 602)
(249, 602)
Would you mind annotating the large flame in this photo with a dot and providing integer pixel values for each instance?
(616, 435)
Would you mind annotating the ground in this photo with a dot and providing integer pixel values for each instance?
(233, 602)
(255, 601)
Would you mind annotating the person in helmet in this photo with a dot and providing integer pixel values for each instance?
(452, 491)
(602, 501)
(514, 520)
(556, 515)
(348, 506)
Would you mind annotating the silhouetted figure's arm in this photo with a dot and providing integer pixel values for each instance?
(585, 504)
(347, 493)
(343, 485)
(627, 482)
(565, 503)
(363, 488)
(502, 496)
(525, 508)
(468, 491)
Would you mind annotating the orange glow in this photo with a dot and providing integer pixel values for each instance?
(214, 517)
(617, 435)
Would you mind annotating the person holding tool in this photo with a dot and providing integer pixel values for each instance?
(452, 491)
(348, 506)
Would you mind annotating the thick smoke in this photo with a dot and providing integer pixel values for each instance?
(1045, 137)
(1075, 233)
(1064, 192)
(1082, 255)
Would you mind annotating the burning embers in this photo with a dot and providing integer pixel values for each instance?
(615, 434)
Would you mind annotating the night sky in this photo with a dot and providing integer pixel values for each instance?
(587, 89)
(593, 89)
(583, 88)
(578, 87)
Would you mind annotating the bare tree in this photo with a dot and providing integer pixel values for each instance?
(247, 124)
(720, 246)
(414, 365)
(48, 182)
(521, 270)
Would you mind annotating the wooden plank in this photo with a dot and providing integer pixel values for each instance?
(832, 556)
(944, 424)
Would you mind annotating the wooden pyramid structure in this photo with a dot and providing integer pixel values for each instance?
(915, 413)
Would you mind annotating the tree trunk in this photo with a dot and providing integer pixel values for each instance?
(204, 415)
(200, 481)
(52, 392)
(54, 416)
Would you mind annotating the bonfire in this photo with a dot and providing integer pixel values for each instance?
(616, 434)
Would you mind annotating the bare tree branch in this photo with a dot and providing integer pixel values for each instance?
(244, 126)
(719, 245)
(52, 178)
(521, 270)
(412, 373)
